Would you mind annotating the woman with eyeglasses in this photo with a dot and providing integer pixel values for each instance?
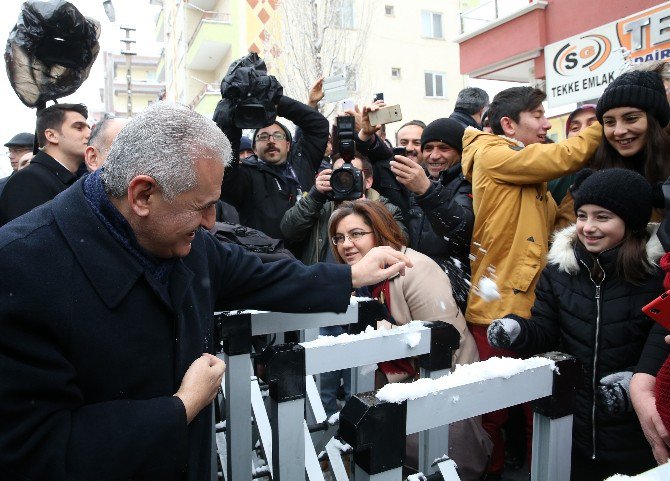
(423, 293)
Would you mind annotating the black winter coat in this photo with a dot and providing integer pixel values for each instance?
(602, 325)
(440, 223)
(32, 186)
(257, 192)
(92, 349)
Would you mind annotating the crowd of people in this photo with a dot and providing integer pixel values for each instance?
(111, 271)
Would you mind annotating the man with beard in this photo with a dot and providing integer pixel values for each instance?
(265, 185)
(371, 145)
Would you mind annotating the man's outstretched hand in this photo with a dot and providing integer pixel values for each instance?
(378, 264)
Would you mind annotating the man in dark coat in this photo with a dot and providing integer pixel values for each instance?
(106, 309)
(471, 104)
(62, 134)
(440, 215)
(265, 185)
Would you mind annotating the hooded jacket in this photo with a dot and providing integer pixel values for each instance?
(514, 213)
(600, 322)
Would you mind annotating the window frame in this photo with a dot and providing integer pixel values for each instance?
(434, 74)
(431, 14)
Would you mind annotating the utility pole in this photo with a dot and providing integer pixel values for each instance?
(128, 53)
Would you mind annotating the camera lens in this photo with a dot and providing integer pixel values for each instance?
(342, 181)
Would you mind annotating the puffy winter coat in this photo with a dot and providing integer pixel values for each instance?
(514, 214)
(600, 322)
(440, 223)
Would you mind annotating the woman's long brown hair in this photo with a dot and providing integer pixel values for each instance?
(385, 229)
(655, 156)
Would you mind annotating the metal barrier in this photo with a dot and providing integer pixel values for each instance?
(289, 370)
(376, 429)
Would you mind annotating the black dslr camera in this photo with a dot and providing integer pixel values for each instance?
(347, 181)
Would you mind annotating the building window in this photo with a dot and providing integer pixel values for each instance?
(431, 25)
(389, 10)
(435, 84)
(395, 72)
(344, 18)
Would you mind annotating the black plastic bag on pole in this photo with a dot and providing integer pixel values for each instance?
(50, 51)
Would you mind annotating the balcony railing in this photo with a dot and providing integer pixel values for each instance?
(212, 17)
(488, 12)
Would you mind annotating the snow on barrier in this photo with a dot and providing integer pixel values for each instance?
(286, 439)
(659, 473)
(376, 424)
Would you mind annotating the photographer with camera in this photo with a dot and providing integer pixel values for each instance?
(350, 179)
(265, 185)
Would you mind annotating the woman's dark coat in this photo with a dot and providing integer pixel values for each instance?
(604, 328)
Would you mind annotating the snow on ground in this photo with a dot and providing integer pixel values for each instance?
(504, 367)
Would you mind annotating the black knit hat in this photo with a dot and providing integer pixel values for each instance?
(448, 131)
(637, 88)
(622, 191)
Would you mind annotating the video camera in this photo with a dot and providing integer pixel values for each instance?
(347, 181)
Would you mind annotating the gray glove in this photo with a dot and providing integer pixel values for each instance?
(501, 333)
(613, 393)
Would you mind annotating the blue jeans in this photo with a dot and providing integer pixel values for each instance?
(330, 381)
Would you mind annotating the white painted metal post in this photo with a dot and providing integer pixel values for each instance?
(552, 446)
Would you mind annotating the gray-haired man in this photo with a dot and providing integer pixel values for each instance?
(106, 361)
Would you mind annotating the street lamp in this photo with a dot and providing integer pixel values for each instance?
(109, 10)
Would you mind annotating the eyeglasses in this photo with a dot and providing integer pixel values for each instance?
(264, 137)
(338, 239)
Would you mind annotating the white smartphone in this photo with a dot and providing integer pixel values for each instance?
(348, 104)
(386, 115)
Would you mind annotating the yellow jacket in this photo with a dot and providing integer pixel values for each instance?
(514, 214)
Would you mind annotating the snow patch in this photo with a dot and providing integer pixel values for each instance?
(334, 419)
(341, 445)
(416, 477)
(410, 329)
(487, 289)
(355, 300)
(504, 367)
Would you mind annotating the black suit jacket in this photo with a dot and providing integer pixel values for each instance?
(28, 188)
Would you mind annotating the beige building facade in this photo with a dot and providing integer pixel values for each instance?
(408, 52)
(201, 39)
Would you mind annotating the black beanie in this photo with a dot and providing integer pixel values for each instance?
(622, 191)
(640, 89)
(444, 130)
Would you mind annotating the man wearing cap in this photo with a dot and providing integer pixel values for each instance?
(62, 134)
(245, 148)
(440, 208)
(19, 145)
(263, 186)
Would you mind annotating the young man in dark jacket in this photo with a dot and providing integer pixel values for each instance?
(106, 361)
(62, 133)
(265, 185)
